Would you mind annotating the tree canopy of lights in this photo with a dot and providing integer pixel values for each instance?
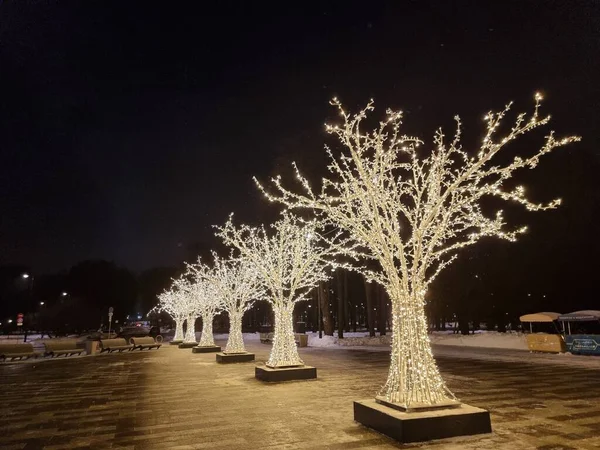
(190, 303)
(290, 262)
(171, 302)
(238, 284)
(411, 211)
(206, 303)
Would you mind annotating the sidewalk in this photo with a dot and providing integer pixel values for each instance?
(173, 399)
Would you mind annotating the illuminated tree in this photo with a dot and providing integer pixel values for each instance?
(190, 304)
(411, 213)
(290, 263)
(206, 301)
(238, 284)
(171, 302)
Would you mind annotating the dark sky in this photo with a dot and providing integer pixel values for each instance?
(127, 129)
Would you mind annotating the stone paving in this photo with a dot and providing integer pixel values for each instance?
(173, 399)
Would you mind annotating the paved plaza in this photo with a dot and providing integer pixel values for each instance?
(173, 399)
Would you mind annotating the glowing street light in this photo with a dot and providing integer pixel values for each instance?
(25, 276)
(42, 303)
(64, 294)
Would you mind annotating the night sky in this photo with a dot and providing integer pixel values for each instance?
(127, 129)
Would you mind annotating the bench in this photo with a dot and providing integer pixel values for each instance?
(62, 347)
(144, 342)
(112, 345)
(14, 351)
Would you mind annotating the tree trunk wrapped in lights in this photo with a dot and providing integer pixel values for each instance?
(206, 338)
(238, 284)
(178, 329)
(284, 352)
(290, 263)
(412, 214)
(190, 332)
(235, 342)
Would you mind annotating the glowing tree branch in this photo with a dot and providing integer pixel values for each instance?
(411, 213)
(206, 299)
(190, 303)
(238, 284)
(171, 303)
(290, 264)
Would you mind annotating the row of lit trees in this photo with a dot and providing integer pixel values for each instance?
(281, 265)
(398, 215)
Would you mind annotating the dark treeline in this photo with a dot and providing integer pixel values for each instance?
(78, 299)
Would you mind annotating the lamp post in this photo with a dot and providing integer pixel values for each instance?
(110, 314)
(26, 276)
(319, 315)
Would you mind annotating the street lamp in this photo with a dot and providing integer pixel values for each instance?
(64, 294)
(42, 303)
(25, 275)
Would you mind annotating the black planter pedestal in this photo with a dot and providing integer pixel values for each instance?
(206, 349)
(187, 344)
(227, 358)
(422, 425)
(177, 342)
(269, 374)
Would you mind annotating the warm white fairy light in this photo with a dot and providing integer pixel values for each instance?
(412, 214)
(290, 263)
(190, 303)
(170, 301)
(238, 284)
(206, 303)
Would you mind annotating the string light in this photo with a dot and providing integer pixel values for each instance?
(412, 214)
(202, 299)
(189, 303)
(290, 264)
(170, 302)
(238, 284)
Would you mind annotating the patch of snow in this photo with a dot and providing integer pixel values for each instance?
(488, 339)
(349, 340)
(491, 339)
(325, 341)
(248, 337)
(517, 356)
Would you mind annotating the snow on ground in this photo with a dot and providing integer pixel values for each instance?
(486, 345)
(518, 356)
(18, 338)
(349, 340)
(248, 337)
(489, 339)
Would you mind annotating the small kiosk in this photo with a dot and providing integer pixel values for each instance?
(544, 334)
(582, 332)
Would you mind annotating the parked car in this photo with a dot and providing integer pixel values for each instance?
(129, 332)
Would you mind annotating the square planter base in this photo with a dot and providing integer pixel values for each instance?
(226, 358)
(177, 342)
(187, 344)
(206, 349)
(423, 425)
(265, 373)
